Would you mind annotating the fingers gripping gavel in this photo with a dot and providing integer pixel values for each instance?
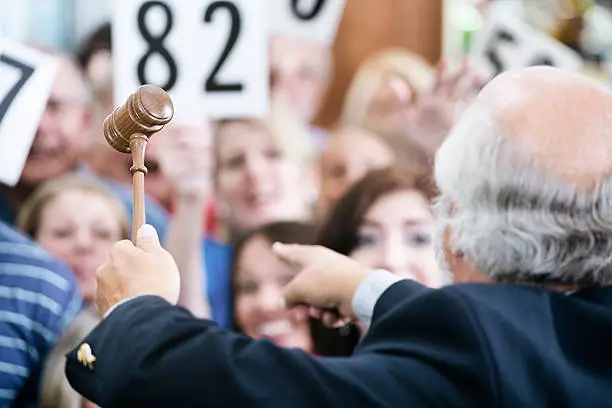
(128, 129)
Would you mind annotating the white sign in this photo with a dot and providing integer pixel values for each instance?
(26, 78)
(506, 42)
(210, 56)
(313, 20)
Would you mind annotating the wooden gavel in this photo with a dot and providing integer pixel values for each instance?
(128, 130)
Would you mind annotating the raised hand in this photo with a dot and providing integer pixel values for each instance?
(439, 109)
(185, 158)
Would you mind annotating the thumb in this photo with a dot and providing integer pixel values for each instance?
(298, 255)
(147, 239)
(294, 293)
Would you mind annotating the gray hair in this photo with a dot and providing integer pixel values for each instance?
(514, 223)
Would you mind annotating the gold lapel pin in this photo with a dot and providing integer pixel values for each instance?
(85, 356)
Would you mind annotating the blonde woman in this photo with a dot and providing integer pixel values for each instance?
(397, 93)
(262, 171)
(56, 392)
(385, 89)
(77, 219)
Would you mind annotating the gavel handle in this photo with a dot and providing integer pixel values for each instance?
(138, 145)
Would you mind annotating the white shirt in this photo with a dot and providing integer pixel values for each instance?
(364, 300)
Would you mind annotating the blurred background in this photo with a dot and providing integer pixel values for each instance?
(431, 28)
(330, 141)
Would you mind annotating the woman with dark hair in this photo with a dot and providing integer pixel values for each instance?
(385, 221)
(258, 280)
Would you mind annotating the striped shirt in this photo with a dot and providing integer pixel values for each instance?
(38, 299)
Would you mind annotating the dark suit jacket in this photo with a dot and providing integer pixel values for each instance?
(468, 346)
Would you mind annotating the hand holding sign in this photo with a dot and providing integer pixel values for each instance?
(26, 77)
(196, 50)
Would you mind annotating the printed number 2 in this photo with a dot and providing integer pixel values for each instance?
(156, 45)
(306, 16)
(212, 83)
(26, 73)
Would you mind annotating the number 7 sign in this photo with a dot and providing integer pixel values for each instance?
(26, 77)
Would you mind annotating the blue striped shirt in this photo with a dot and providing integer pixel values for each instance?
(38, 299)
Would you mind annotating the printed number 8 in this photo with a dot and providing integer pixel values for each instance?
(156, 45)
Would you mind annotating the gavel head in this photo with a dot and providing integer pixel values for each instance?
(145, 112)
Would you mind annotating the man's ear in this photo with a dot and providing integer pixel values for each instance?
(462, 268)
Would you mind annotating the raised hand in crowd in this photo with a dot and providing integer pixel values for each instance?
(185, 159)
(437, 110)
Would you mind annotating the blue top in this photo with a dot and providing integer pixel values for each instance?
(156, 215)
(217, 260)
(38, 300)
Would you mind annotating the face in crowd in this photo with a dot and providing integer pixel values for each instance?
(77, 222)
(299, 74)
(259, 278)
(385, 221)
(60, 139)
(262, 173)
(396, 234)
(350, 153)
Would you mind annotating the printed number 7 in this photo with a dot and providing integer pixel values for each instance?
(26, 73)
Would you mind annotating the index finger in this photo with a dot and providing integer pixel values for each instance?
(299, 255)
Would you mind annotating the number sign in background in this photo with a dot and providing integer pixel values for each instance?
(26, 77)
(313, 20)
(211, 56)
(506, 42)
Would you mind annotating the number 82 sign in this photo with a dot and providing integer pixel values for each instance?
(211, 56)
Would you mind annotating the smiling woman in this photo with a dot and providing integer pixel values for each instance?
(78, 220)
(385, 221)
(258, 280)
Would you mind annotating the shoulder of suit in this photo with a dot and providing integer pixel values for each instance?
(493, 295)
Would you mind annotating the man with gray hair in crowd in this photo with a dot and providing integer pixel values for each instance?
(525, 211)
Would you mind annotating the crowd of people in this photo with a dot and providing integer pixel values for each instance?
(220, 193)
